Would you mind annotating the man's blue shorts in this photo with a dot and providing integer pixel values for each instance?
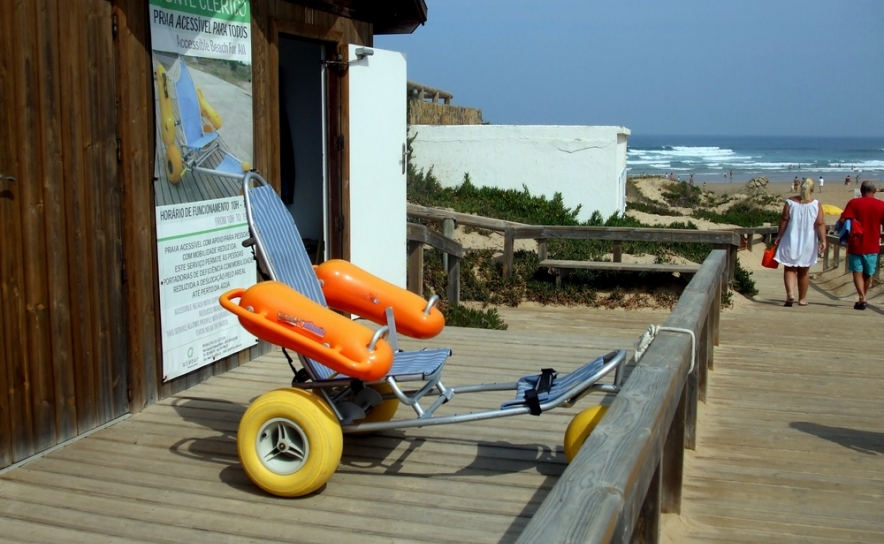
(867, 264)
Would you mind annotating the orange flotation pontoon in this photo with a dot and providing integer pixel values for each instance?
(350, 289)
(274, 312)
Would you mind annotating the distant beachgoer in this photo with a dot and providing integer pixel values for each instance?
(822, 182)
(862, 250)
(692, 179)
(795, 184)
(732, 175)
(847, 180)
(802, 234)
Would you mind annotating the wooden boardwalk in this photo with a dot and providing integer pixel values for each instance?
(790, 445)
(171, 473)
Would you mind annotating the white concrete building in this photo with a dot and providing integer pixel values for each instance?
(586, 164)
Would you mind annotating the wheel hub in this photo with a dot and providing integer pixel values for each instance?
(282, 446)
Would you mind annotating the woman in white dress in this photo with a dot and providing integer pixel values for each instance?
(802, 234)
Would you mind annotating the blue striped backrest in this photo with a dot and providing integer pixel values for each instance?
(282, 243)
(188, 106)
(285, 253)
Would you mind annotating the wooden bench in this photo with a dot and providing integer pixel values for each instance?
(563, 267)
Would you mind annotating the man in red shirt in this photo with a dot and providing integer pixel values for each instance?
(862, 251)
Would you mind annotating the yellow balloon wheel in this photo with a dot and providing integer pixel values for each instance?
(579, 429)
(174, 164)
(383, 411)
(289, 442)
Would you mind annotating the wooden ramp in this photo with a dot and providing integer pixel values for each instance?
(171, 473)
(790, 444)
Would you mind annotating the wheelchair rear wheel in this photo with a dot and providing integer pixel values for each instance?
(290, 442)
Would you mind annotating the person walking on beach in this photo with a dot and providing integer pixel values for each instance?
(692, 179)
(795, 184)
(863, 244)
(847, 180)
(802, 234)
(822, 182)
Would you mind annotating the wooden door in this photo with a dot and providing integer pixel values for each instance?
(63, 357)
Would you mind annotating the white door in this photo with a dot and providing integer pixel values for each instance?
(377, 172)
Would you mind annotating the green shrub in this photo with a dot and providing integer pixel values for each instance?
(461, 316)
(745, 213)
(681, 194)
(743, 283)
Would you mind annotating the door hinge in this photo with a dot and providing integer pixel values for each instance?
(119, 150)
(123, 278)
(340, 223)
(339, 142)
(114, 26)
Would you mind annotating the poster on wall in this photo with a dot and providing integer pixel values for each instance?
(202, 76)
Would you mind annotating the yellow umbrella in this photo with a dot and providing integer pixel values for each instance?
(829, 209)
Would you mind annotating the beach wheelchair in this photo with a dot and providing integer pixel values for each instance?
(353, 378)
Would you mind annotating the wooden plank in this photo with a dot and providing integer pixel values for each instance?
(36, 289)
(16, 417)
(469, 220)
(620, 266)
(78, 172)
(109, 253)
(56, 269)
(628, 234)
(136, 111)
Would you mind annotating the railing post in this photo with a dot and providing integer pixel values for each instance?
(618, 251)
(454, 281)
(673, 459)
(448, 232)
(542, 249)
(826, 258)
(716, 318)
(647, 526)
(416, 267)
(837, 255)
(509, 242)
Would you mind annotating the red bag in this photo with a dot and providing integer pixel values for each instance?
(768, 260)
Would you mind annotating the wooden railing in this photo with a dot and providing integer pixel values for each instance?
(417, 236)
(726, 240)
(423, 92)
(630, 468)
(834, 248)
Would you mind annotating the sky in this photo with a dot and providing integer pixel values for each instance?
(673, 67)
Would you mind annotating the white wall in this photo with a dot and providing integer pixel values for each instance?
(587, 165)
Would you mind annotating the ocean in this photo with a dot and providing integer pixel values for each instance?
(741, 158)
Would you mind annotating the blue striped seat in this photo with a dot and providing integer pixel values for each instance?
(285, 259)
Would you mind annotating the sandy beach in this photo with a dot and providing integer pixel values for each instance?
(834, 192)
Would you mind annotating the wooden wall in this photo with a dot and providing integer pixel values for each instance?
(63, 354)
(80, 342)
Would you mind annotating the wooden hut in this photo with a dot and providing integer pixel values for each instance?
(80, 343)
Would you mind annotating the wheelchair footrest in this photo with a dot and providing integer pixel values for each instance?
(566, 385)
